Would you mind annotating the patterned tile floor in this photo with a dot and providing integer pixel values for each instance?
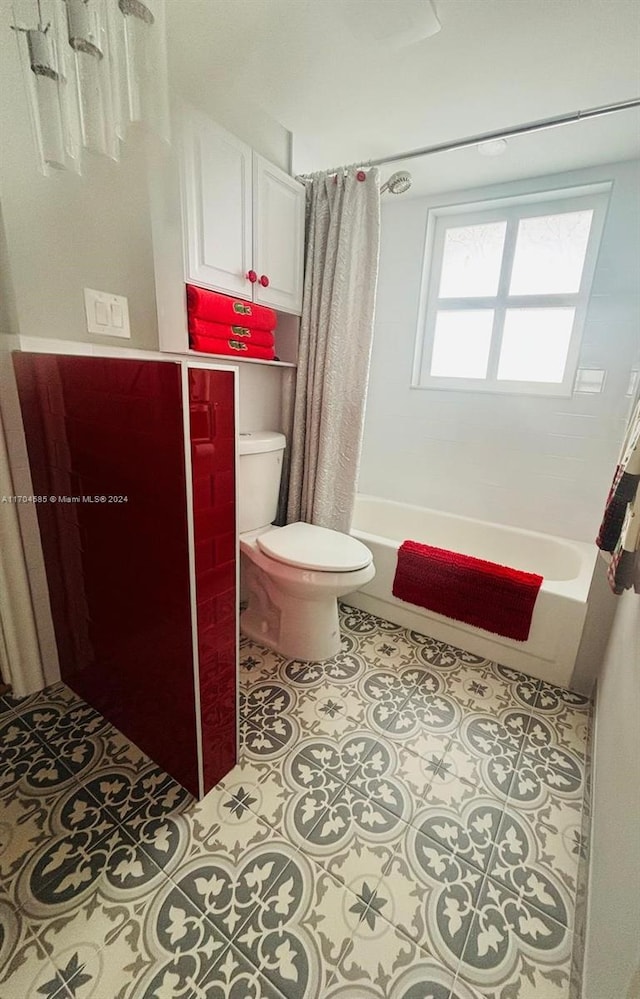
(404, 823)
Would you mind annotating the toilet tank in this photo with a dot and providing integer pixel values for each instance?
(259, 472)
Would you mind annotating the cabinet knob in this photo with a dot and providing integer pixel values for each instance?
(253, 277)
(264, 281)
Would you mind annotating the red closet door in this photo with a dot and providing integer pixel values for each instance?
(211, 404)
(105, 438)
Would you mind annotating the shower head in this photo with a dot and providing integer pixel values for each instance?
(398, 183)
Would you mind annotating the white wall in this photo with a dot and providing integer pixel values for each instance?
(8, 313)
(260, 390)
(612, 961)
(539, 463)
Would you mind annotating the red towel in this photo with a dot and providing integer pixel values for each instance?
(217, 331)
(216, 308)
(231, 345)
(484, 594)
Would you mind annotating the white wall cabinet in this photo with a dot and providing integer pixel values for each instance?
(217, 206)
(243, 219)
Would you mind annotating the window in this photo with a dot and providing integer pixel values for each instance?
(505, 291)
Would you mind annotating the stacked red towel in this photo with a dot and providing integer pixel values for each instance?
(490, 596)
(232, 345)
(199, 329)
(216, 308)
(219, 324)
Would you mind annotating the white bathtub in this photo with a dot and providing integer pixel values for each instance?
(558, 618)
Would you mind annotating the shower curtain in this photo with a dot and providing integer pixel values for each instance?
(20, 661)
(336, 332)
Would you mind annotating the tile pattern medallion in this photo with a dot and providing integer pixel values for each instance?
(405, 822)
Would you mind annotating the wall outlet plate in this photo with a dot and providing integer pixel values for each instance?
(106, 313)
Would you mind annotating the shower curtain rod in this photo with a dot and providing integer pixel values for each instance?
(501, 133)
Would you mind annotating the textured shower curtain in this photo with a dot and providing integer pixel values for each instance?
(336, 331)
(20, 661)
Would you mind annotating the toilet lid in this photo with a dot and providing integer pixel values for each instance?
(311, 547)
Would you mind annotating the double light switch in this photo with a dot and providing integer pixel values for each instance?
(106, 313)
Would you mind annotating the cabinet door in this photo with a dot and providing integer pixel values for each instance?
(278, 235)
(216, 191)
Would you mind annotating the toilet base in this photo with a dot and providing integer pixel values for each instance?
(291, 609)
(310, 630)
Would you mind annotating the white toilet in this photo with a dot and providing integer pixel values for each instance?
(293, 575)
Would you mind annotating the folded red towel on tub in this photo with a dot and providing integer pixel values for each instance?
(487, 595)
(218, 331)
(217, 308)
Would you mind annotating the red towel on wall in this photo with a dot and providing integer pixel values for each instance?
(218, 331)
(484, 594)
(231, 345)
(216, 308)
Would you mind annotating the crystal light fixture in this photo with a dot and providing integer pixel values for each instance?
(90, 68)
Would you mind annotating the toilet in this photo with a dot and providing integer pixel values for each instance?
(293, 575)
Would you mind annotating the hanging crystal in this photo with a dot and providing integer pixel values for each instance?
(48, 78)
(144, 78)
(50, 92)
(89, 42)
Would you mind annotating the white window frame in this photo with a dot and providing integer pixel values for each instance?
(511, 209)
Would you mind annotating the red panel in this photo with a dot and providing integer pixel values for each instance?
(118, 573)
(211, 405)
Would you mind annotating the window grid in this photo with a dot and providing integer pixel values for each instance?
(511, 210)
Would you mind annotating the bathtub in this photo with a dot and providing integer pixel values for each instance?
(558, 618)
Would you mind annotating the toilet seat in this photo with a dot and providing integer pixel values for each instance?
(307, 546)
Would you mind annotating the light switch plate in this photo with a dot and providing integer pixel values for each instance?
(106, 313)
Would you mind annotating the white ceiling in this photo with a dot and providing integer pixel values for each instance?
(322, 69)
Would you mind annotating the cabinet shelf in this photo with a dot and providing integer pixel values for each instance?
(232, 359)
